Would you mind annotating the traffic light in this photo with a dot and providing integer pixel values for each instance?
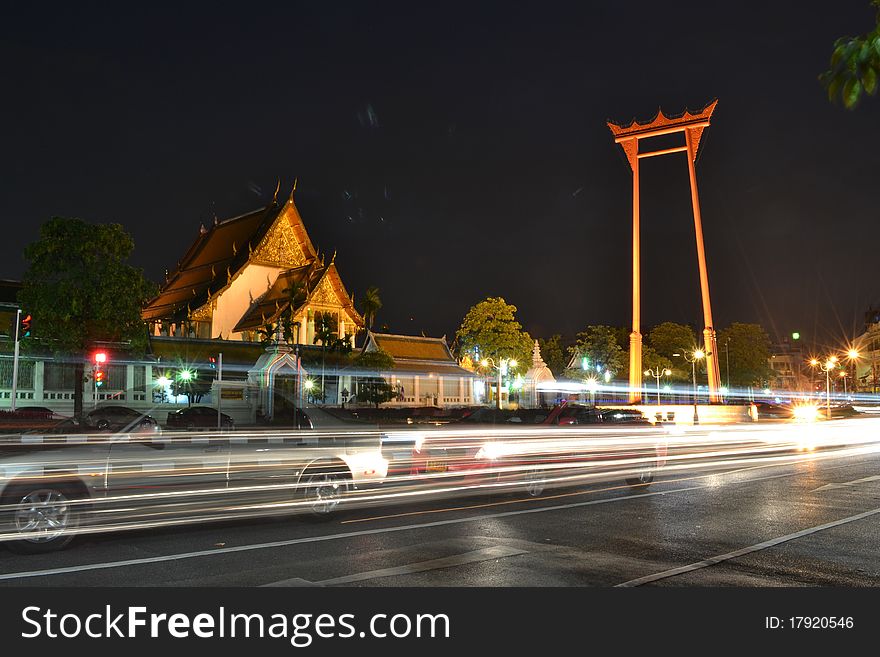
(25, 325)
(100, 359)
(213, 362)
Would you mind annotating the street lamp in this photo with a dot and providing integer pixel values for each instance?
(501, 366)
(826, 367)
(696, 354)
(853, 355)
(592, 385)
(658, 374)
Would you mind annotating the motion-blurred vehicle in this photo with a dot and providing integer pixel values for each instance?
(532, 456)
(54, 487)
(121, 419)
(769, 410)
(198, 417)
(566, 414)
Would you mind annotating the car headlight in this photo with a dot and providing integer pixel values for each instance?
(490, 451)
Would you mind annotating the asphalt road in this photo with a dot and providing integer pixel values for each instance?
(815, 522)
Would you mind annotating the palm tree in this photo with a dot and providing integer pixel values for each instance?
(326, 329)
(371, 304)
(297, 294)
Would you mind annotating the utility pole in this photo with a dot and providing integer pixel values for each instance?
(15, 359)
(727, 354)
(219, 387)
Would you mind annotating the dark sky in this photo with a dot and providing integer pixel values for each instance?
(453, 152)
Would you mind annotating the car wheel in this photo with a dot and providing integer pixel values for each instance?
(644, 478)
(323, 491)
(43, 515)
(536, 482)
(103, 424)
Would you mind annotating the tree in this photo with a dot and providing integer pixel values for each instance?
(372, 386)
(81, 291)
(598, 345)
(370, 305)
(553, 353)
(854, 67)
(297, 293)
(749, 354)
(326, 332)
(490, 330)
(669, 338)
(651, 360)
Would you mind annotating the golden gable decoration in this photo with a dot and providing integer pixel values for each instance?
(279, 247)
(325, 294)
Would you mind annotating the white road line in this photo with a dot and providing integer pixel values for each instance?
(485, 554)
(329, 537)
(846, 484)
(747, 550)
(365, 532)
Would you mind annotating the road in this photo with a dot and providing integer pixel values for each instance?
(814, 522)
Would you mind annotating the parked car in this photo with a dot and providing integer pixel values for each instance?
(121, 419)
(198, 417)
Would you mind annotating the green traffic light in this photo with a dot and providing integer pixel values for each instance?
(185, 375)
(795, 336)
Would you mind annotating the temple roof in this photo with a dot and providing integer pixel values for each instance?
(218, 254)
(411, 347)
(277, 298)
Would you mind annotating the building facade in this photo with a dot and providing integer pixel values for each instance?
(425, 372)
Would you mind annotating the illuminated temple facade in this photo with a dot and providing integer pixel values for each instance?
(241, 275)
(241, 315)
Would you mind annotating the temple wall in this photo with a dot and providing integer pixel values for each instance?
(233, 303)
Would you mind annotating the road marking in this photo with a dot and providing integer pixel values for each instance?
(355, 534)
(486, 554)
(712, 561)
(581, 493)
(846, 484)
(321, 539)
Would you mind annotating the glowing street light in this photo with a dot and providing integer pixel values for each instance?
(697, 354)
(502, 366)
(826, 367)
(658, 374)
(592, 385)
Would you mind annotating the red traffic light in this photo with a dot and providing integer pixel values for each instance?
(100, 357)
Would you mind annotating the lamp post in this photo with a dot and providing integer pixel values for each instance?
(501, 366)
(592, 386)
(853, 355)
(658, 374)
(727, 358)
(826, 367)
(696, 354)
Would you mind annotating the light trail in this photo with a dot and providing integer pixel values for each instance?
(133, 482)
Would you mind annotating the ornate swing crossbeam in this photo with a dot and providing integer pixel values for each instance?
(628, 136)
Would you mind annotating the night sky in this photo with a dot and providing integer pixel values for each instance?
(453, 152)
